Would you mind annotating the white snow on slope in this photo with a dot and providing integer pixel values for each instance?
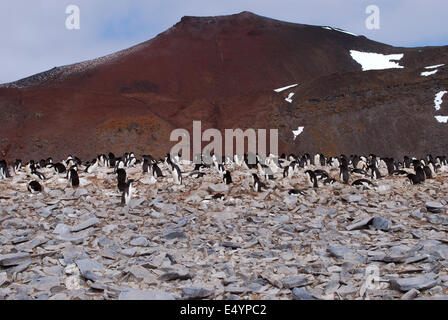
(340, 30)
(289, 99)
(434, 67)
(286, 88)
(297, 132)
(438, 99)
(376, 61)
(428, 73)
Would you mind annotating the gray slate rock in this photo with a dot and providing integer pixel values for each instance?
(381, 223)
(13, 259)
(294, 282)
(434, 207)
(174, 234)
(419, 283)
(84, 225)
(197, 293)
(301, 294)
(140, 241)
(134, 294)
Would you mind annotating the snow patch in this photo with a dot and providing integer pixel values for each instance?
(376, 61)
(286, 88)
(340, 30)
(438, 99)
(428, 73)
(297, 132)
(289, 99)
(434, 67)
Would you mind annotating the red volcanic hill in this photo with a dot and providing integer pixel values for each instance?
(223, 71)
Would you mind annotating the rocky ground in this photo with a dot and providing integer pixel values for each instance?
(176, 242)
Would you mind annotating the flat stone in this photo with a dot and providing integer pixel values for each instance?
(360, 225)
(84, 225)
(177, 275)
(87, 268)
(197, 293)
(13, 259)
(80, 192)
(140, 241)
(434, 207)
(406, 284)
(218, 188)
(301, 294)
(174, 234)
(134, 294)
(351, 198)
(61, 228)
(381, 223)
(410, 295)
(294, 282)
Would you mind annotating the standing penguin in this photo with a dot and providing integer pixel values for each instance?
(257, 184)
(127, 193)
(121, 179)
(312, 179)
(156, 171)
(227, 179)
(177, 175)
(73, 177)
(344, 174)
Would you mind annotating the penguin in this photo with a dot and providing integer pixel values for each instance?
(37, 174)
(34, 187)
(121, 179)
(4, 169)
(420, 173)
(399, 173)
(156, 171)
(58, 167)
(428, 172)
(375, 172)
(17, 166)
(360, 172)
(312, 179)
(219, 196)
(127, 193)
(177, 175)
(227, 179)
(344, 173)
(329, 181)
(196, 174)
(146, 166)
(168, 161)
(73, 177)
(296, 192)
(321, 174)
(257, 184)
(265, 171)
(103, 161)
(92, 166)
(363, 182)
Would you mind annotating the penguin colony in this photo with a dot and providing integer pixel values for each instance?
(357, 171)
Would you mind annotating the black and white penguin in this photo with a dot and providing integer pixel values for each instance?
(312, 179)
(128, 191)
(257, 184)
(364, 183)
(73, 177)
(17, 166)
(176, 173)
(121, 179)
(92, 166)
(218, 196)
(329, 181)
(344, 173)
(418, 177)
(37, 175)
(34, 187)
(227, 179)
(4, 169)
(196, 174)
(168, 161)
(296, 192)
(58, 167)
(400, 172)
(360, 172)
(146, 166)
(428, 172)
(103, 161)
(156, 171)
(321, 174)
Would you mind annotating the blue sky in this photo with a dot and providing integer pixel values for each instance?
(34, 37)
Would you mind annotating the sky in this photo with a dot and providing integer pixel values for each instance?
(34, 37)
